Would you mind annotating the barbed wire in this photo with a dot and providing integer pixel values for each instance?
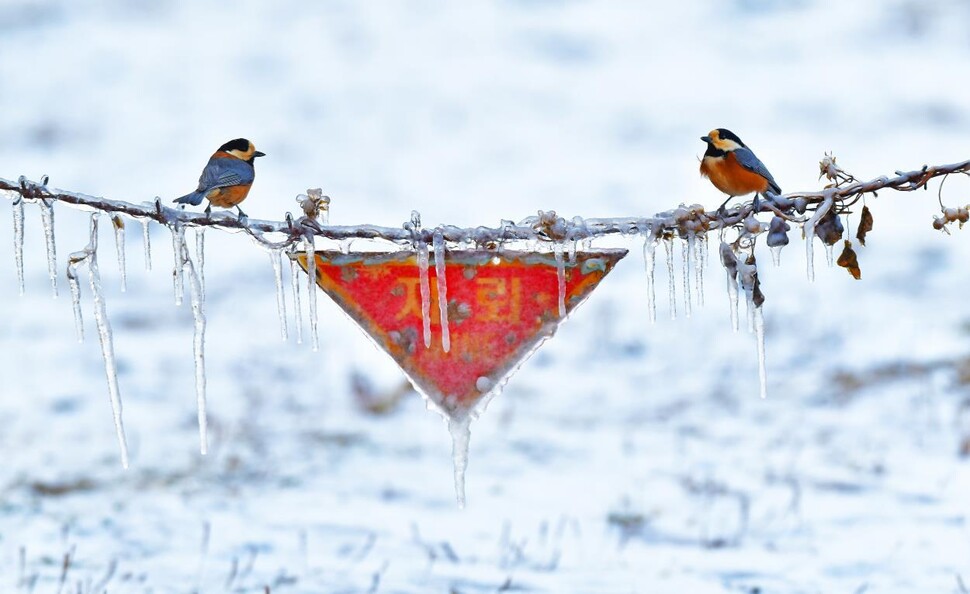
(546, 226)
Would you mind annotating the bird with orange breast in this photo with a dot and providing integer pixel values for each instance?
(733, 168)
(227, 177)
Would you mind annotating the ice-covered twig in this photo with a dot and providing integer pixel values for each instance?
(18, 240)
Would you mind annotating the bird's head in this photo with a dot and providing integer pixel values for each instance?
(723, 140)
(241, 149)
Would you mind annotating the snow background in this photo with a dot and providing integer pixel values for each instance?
(623, 457)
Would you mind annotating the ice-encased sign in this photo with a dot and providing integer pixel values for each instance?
(500, 307)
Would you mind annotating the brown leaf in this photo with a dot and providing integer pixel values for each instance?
(849, 261)
(117, 221)
(865, 225)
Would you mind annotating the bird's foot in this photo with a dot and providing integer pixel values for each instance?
(242, 215)
(208, 211)
(721, 211)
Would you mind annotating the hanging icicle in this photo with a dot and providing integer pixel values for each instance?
(47, 218)
(560, 278)
(146, 239)
(685, 250)
(105, 336)
(119, 229)
(649, 266)
(460, 430)
(730, 262)
(425, 289)
(18, 241)
(197, 296)
(671, 281)
(200, 256)
(311, 268)
(699, 254)
(178, 240)
(275, 256)
(438, 242)
(297, 306)
(73, 261)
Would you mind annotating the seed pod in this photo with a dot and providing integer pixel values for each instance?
(778, 232)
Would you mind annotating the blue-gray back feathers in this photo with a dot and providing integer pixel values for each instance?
(220, 172)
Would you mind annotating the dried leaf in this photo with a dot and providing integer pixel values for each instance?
(117, 221)
(849, 261)
(865, 225)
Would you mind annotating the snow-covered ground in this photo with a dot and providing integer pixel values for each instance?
(624, 456)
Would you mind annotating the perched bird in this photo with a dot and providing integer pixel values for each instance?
(733, 168)
(227, 177)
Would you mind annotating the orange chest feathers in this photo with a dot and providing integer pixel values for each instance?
(730, 177)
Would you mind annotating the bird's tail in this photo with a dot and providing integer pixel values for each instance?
(195, 198)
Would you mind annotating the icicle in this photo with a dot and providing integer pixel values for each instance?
(73, 261)
(18, 240)
(119, 227)
(560, 277)
(200, 256)
(759, 330)
(178, 239)
(671, 282)
(776, 255)
(311, 268)
(47, 218)
(730, 262)
(146, 240)
(460, 430)
(438, 242)
(197, 296)
(749, 308)
(685, 249)
(829, 257)
(809, 230)
(297, 306)
(107, 343)
(425, 292)
(274, 257)
(696, 245)
(649, 266)
(571, 253)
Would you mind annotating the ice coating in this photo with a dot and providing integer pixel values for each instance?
(105, 335)
(297, 306)
(649, 266)
(759, 331)
(119, 229)
(146, 240)
(829, 255)
(18, 241)
(47, 219)
(311, 260)
(425, 292)
(438, 243)
(275, 257)
(671, 282)
(809, 230)
(178, 253)
(460, 430)
(561, 278)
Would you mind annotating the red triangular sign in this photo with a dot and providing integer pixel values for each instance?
(501, 307)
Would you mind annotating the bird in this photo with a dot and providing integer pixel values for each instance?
(227, 177)
(733, 168)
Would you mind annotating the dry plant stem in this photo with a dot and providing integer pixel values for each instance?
(292, 231)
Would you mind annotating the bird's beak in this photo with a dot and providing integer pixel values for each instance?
(259, 154)
(706, 139)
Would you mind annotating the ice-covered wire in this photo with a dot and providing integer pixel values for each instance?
(292, 231)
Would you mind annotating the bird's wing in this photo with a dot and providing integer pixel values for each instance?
(747, 159)
(225, 171)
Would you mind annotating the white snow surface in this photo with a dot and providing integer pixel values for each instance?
(625, 456)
